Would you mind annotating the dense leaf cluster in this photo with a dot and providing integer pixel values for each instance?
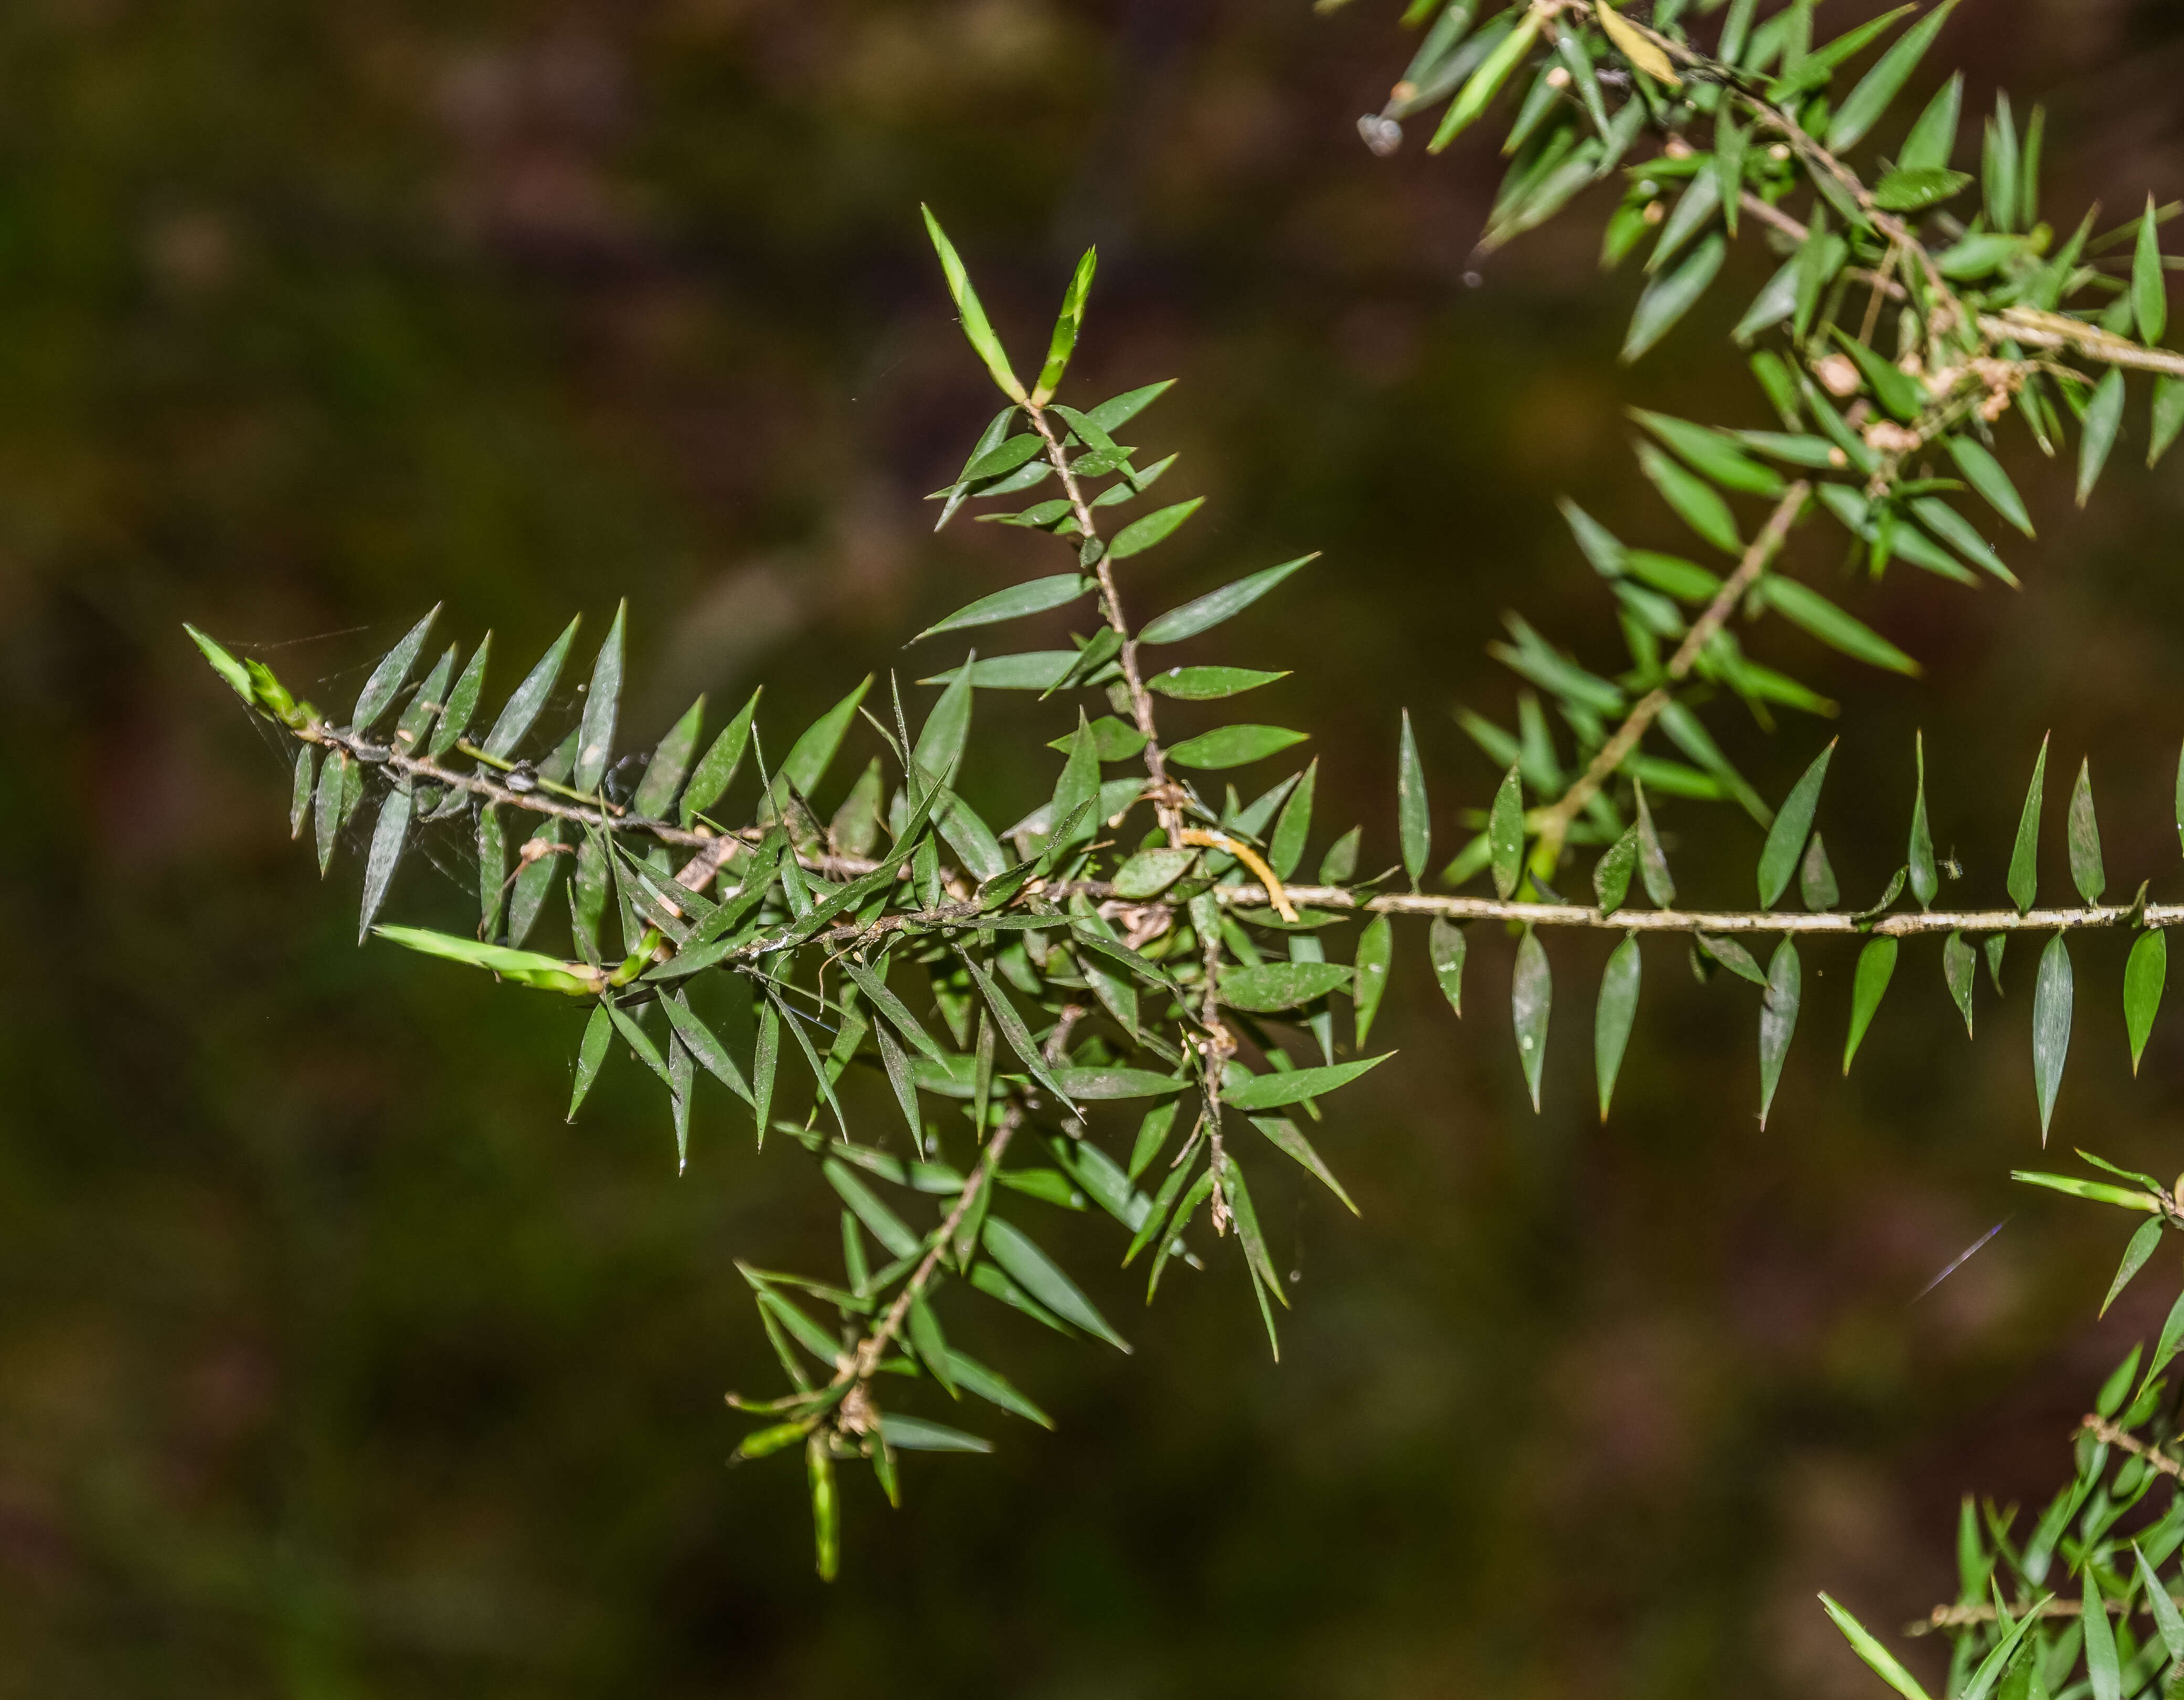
(1129, 995)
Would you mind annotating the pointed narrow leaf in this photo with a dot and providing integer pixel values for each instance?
(462, 702)
(598, 1033)
(2142, 1246)
(390, 837)
(1066, 327)
(1611, 875)
(1959, 968)
(1284, 1134)
(1696, 502)
(1876, 92)
(1802, 605)
(1531, 999)
(703, 1045)
(976, 326)
(1376, 948)
(1414, 825)
(1876, 966)
(1271, 1091)
(1022, 1262)
(1816, 879)
(2052, 999)
(813, 753)
(1778, 1019)
(1035, 596)
(1233, 746)
(2168, 417)
(1926, 880)
(2087, 872)
(2102, 1667)
(1652, 863)
(1793, 825)
(716, 768)
(300, 796)
(1445, 945)
(386, 678)
(2166, 1617)
(521, 709)
(2104, 420)
(2150, 288)
(602, 705)
(1983, 473)
(1668, 298)
(2144, 977)
(1142, 533)
(1504, 832)
(1618, 1011)
(1209, 610)
(1883, 1663)
(2024, 857)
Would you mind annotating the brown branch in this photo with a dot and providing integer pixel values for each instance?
(1164, 791)
(2103, 1428)
(1555, 819)
(2038, 330)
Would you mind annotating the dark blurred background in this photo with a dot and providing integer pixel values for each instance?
(333, 1364)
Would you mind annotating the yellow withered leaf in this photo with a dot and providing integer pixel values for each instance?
(1636, 45)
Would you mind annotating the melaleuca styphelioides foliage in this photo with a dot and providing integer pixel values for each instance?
(1129, 996)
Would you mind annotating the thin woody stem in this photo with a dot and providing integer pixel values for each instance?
(1554, 822)
(2103, 1430)
(1141, 702)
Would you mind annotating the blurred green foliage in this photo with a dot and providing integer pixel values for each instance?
(334, 1364)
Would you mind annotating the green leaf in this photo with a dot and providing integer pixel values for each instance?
(704, 1044)
(1653, 862)
(1445, 946)
(880, 1222)
(2051, 998)
(2149, 289)
(1486, 82)
(973, 315)
(1233, 746)
(1376, 948)
(1816, 879)
(1959, 966)
(602, 702)
(1149, 872)
(1531, 1000)
(2103, 418)
(1696, 502)
(1877, 1657)
(1505, 832)
(1898, 391)
(1142, 533)
(2166, 1619)
(716, 768)
(1203, 613)
(1914, 188)
(1285, 1136)
(1926, 880)
(591, 1053)
(2143, 977)
(1271, 1091)
(390, 837)
(499, 959)
(1618, 1011)
(1102, 1085)
(386, 679)
(2023, 882)
(1714, 453)
(946, 730)
(2098, 1192)
(1778, 1019)
(916, 1434)
(1868, 102)
(236, 675)
(2102, 1667)
(424, 704)
(1876, 966)
(1066, 327)
(931, 1345)
(521, 709)
(1668, 298)
(2086, 872)
(2143, 1244)
(1983, 473)
(1292, 826)
(1414, 821)
(1035, 596)
(826, 1509)
(1793, 825)
(1038, 1275)
(1804, 606)
(300, 796)
(813, 753)
(1208, 684)
(1611, 875)
(2168, 417)
(1933, 138)
(1732, 956)
(973, 1377)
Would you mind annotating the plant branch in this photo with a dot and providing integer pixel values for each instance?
(1141, 702)
(1554, 822)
